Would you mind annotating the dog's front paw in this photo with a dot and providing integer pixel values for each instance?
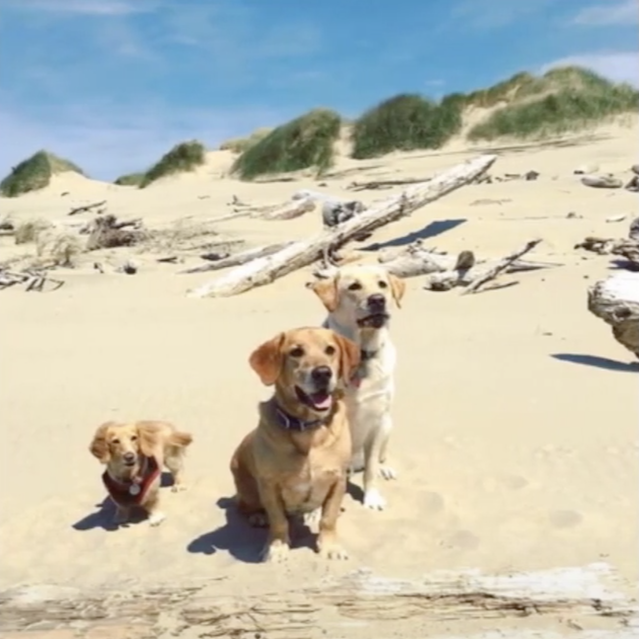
(387, 472)
(374, 500)
(156, 518)
(332, 550)
(275, 552)
(121, 516)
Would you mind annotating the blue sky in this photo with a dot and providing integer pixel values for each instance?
(113, 84)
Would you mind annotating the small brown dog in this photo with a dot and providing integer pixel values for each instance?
(296, 460)
(134, 455)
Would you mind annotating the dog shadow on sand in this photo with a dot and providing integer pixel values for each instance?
(103, 516)
(244, 542)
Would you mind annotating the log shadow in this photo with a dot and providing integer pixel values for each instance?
(242, 541)
(431, 230)
(598, 362)
(103, 516)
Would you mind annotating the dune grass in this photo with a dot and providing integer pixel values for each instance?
(35, 173)
(182, 158)
(239, 145)
(130, 179)
(406, 122)
(569, 99)
(306, 142)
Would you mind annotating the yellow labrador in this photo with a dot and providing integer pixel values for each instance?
(296, 460)
(359, 299)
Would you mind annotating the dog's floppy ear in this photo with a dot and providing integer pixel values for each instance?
(266, 360)
(349, 357)
(398, 288)
(326, 290)
(99, 447)
(148, 438)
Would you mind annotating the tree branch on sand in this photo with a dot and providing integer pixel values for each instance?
(627, 248)
(301, 253)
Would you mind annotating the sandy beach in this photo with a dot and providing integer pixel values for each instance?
(516, 436)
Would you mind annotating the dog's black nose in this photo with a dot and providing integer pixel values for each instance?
(377, 302)
(128, 457)
(321, 374)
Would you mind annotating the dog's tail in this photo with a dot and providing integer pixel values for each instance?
(180, 439)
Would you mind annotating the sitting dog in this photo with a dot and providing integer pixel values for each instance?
(134, 455)
(358, 299)
(295, 461)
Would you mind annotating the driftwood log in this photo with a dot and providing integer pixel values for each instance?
(286, 211)
(35, 279)
(87, 207)
(358, 605)
(384, 184)
(302, 253)
(602, 181)
(627, 248)
(616, 301)
(239, 258)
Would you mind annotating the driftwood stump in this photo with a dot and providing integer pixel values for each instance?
(107, 232)
(616, 301)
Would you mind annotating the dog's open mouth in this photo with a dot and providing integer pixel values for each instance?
(376, 320)
(321, 400)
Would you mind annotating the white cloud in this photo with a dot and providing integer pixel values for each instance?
(618, 67)
(85, 7)
(625, 12)
(108, 141)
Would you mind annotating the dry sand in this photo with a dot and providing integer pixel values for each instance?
(516, 432)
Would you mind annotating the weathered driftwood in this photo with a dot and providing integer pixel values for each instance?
(633, 230)
(108, 232)
(301, 253)
(360, 604)
(35, 280)
(87, 207)
(616, 301)
(502, 265)
(416, 259)
(286, 211)
(384, 184)
(602, 181)
(635, 169)
(629, 249)
(239, 258)
(633, 183)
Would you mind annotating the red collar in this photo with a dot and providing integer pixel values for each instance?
(131, 492)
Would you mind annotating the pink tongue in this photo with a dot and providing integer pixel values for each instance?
(320, 400)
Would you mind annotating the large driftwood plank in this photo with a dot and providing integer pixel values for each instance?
(299, 254)
(360, 600)
(238, 259)
(616, 301)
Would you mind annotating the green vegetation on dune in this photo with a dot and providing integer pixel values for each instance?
(35, 173)
(182, 158)
(573, 99)
(306, 142)
(130, 179)
(406, 122)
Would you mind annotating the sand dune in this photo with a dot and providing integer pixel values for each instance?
(516, 411)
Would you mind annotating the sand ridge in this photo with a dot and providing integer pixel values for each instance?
(515, 439)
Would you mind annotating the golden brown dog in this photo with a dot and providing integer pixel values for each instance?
(296, 460)
(134, 455)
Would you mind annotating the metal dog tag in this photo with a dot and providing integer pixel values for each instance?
(134, 489)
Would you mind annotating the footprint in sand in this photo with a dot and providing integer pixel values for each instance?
(565, 518)
(462, 539)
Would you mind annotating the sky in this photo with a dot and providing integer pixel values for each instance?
(114, 84)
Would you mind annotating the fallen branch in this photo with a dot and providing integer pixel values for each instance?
(34, 280)
(384, 184)
(475, 285)
(626, 248)
(616, 301)
(86, 208)
(416, 260)
(239, 258)
(264, 270)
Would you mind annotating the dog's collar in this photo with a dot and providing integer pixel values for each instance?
(131, 492)
(290, 422)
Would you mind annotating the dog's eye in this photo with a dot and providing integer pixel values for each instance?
(355, 286)
(382, 284)
(297, 352)
(330, 350)
(134, 438)
(115, 441)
